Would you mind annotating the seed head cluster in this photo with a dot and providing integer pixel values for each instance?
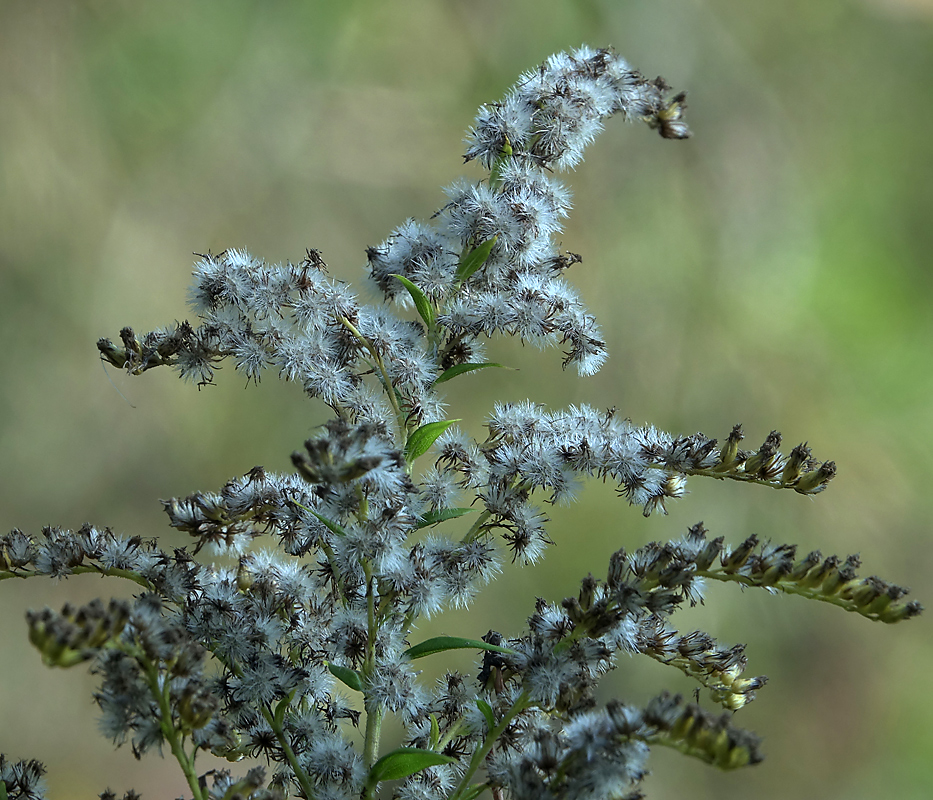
(285, 626)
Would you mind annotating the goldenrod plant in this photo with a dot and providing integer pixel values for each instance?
(287, 628)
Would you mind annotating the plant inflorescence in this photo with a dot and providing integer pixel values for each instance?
(296, 652)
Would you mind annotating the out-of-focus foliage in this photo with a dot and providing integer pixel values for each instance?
(775, 270)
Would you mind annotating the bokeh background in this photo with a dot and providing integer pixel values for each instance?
(775, 270)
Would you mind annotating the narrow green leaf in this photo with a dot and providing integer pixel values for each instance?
(435, 732)
(441, 643)
(473, 260)
(495, 174)
(442, 515)
(421, 440)
(475, 791)
(349, 676)
(459, 369)
(332, 526)
(483, 706)
(280, 709)
(403, 762)
(425, 309)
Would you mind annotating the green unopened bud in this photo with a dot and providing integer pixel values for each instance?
(76, 635)
(308, 470)
(195, 710)
(732, 700)
(862, 593)
(710, 553)
(818, 575)
(574, 611)
(128, 337)
(816, 480)
(357, 468)
(51, 636)
(802, 568)
(618, 567)
(888, 595)
(669, 120)
(244, 578)
(773, 575)
(737, 558)
(231, 749)
(711, 739)
(766, 463)
(798, 461)
(900, 611)
(837, 578)
(587, 592)
(730, 450)
(102, 628)
(112, 354)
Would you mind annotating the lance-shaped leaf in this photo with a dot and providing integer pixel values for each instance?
(331, 525)
(474, 791)
(348, 676)
(441, 643)
(459, 369)
(473, 260)
(280, 710)
(421, 439)
(425, 309)
(486, 710)
(442, 515)
(403, 762)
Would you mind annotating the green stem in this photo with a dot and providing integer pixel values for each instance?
(789, 587)
(452, 342)
(774, 483)
(448, 737)
(479, 755)
(495, 176)
(83, 569)
(332, 560)
(373, 731)
(303, 781)
(380, 365)
(370, 613)
(362, 513)
(374, 716)
(169, 731)
(476, 527)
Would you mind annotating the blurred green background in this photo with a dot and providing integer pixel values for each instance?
(775, 270)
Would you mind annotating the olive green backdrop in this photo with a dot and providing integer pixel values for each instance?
(774, 270)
